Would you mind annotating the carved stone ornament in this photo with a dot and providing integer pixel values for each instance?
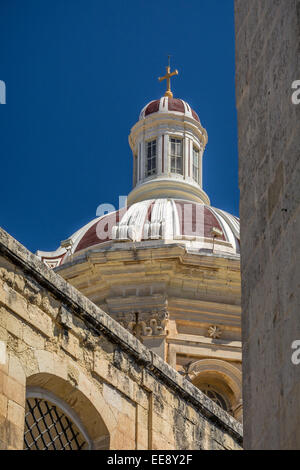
(214, 332)
(145, 323)
(66, 318)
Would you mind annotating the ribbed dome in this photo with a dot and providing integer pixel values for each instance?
(197, 226)
(167, 105)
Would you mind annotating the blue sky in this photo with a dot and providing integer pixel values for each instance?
(77, 74)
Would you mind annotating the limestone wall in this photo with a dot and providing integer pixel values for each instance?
(53, 339)
(177, 297)
(267, 63)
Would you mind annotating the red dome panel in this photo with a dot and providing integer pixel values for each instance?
(196, 220)
(100, 232)
(174, 104)
(195, 115)
(152, 107)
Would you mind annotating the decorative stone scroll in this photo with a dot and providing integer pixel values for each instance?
(142, 324)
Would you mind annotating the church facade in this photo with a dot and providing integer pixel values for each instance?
(167, 266)
(128, 335)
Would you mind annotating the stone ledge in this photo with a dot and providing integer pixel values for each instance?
(175, 251)
(100, 321)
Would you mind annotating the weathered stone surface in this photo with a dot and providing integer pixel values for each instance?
(125, 396)
(267, 63)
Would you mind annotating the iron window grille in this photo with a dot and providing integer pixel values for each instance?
(216, 397)
(47, 427)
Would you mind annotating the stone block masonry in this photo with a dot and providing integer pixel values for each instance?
(267, 64)
(56, 343)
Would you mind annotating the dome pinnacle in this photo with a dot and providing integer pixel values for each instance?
(167, 77)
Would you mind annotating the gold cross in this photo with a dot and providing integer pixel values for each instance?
(167, 77)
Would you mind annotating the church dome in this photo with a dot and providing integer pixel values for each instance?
(166, 266)
(201, 228)
(167, 204)
(167, 105)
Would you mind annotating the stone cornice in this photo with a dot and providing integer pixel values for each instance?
(129, 251)
(168, 119)
(183, 338)
(167, 188)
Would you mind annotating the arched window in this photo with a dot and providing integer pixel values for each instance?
(216, 396)
(221, 381)
(50, 424)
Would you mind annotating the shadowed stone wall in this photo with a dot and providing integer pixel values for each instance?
(267, 63)
(56, 341)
